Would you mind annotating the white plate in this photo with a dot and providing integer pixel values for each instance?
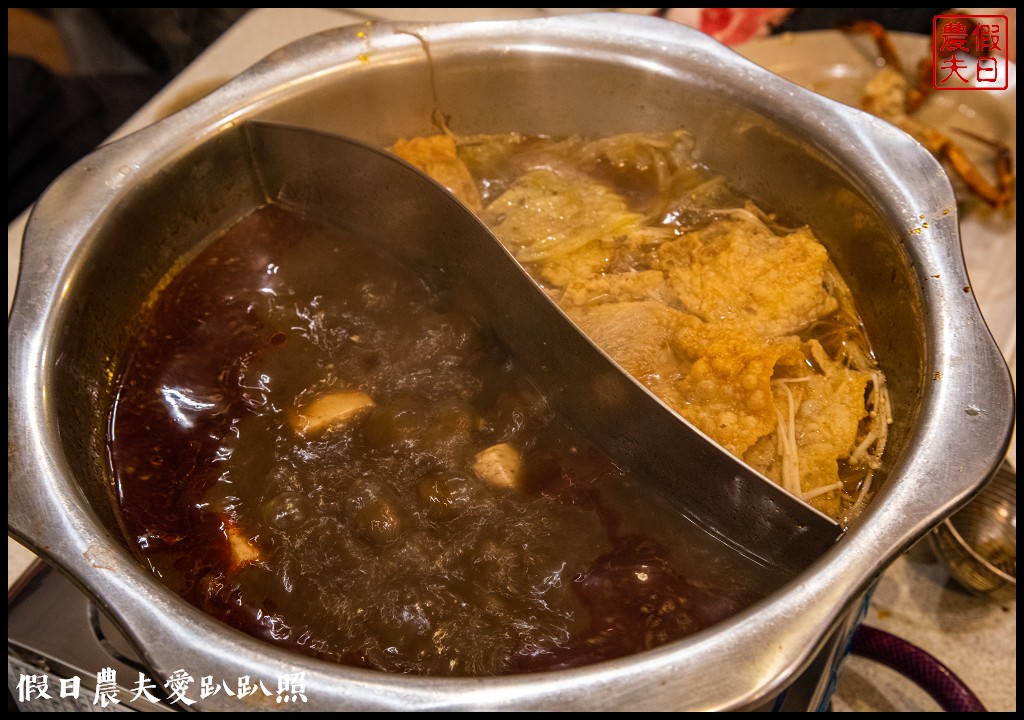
(839, 65)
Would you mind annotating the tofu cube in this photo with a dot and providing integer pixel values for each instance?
(243, 551)
(500, 465)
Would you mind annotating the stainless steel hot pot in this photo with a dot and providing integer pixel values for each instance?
(863, 185)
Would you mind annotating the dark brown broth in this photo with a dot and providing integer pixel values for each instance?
(378, 545)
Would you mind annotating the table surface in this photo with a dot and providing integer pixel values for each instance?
(914, 599)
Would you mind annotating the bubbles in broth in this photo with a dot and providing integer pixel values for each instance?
(312, 445)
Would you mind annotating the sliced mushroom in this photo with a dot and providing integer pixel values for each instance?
(336, 409)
